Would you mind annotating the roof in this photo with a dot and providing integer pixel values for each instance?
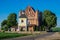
(22, 16)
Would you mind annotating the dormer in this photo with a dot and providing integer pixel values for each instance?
(22, 15)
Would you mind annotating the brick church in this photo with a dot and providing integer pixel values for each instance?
(28, 19)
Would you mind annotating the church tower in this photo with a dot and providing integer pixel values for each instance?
(22, 25)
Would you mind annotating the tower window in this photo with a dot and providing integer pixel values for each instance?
(22, 21)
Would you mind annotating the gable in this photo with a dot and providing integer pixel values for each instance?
(29, 11)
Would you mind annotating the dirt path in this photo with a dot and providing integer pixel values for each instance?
(55, 36)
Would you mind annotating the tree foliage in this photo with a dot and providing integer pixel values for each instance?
(11, 21)
(4, 25)
(4, 22)
(5, 28)
(49, 19)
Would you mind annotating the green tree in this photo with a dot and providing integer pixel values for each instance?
(5, 28)
(4, 25)
(50, 19)
(4, 22)
(12, 20)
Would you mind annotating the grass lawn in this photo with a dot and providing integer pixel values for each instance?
(56, 29)
(4, 35)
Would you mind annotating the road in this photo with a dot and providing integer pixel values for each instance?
(32, 37)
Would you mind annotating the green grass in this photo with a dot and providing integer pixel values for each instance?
(57, 29)
(11, 35)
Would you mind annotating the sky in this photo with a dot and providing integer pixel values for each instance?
(14, 6)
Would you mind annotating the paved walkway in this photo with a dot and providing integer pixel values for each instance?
(34, 37)
(55, 36)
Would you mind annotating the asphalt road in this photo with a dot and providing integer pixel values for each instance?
(31, 37)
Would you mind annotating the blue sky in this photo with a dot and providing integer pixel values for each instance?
(10, 6)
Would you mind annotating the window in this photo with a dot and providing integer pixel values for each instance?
(29, 11)
(22, 21)
(22, 12)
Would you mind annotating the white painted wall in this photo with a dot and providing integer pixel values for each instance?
(20, 24)
(24, 23)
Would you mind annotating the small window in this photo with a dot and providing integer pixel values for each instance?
(22, 21)
(29, 12)
(29, 9)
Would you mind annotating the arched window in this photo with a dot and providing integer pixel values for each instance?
(22, 21)
(29, 11)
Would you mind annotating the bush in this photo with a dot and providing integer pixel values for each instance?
(5, 28)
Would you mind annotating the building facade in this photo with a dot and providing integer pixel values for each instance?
(22, 25)
(29, 17)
